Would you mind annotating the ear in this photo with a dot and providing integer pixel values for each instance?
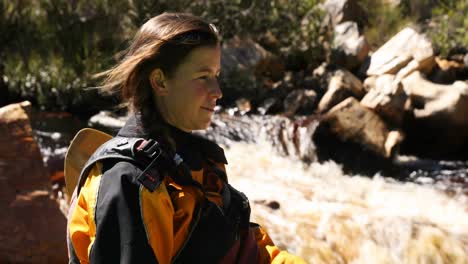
(158, 82)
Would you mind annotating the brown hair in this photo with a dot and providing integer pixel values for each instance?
(162, 42)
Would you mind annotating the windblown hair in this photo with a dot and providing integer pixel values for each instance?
(162, 42)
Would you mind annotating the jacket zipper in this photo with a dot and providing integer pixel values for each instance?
(194, 225)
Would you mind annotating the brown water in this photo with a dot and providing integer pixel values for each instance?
(328, 217)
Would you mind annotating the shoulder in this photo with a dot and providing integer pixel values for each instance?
(120, 170)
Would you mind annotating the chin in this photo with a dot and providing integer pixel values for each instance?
(203, 126)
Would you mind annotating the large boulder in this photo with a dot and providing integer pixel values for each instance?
(439, 119)
(349, 48)
(342, 84)
(242, 54)
(32, 227)
(350, 121)
(240, 58)
(386, 97)
(406, 46)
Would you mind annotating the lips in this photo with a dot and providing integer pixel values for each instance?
(208, 109)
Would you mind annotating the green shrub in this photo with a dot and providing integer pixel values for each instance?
(384, 21)
(449, 27)
(52, 48)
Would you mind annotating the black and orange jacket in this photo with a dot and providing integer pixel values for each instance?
(115, 219)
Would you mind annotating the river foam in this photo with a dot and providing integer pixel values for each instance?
(326, 216)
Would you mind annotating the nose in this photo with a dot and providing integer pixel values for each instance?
(215, 90)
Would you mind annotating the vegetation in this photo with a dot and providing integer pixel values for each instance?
(384, 21)
(445, 22)
(50, 49)
(449, 28)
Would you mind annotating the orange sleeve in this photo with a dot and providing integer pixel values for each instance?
(82, 227)
(269, 253)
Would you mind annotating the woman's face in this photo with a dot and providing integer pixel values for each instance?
(192, 91)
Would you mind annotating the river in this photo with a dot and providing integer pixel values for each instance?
(326, 216)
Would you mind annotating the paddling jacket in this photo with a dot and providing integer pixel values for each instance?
(122, 213)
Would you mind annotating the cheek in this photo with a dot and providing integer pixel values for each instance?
(199, 89)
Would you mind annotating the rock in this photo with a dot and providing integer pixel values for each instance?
(17, 146)
(338, 11)
(448, 71)
(386, 97)
(439, 124)
(32, 227)
(323, 74)
(396, 53)
(289, 137)
(268, 106)
(350, 121)
(107, 121)
(299, 100)
(243, 105)
(342, 85)
(271, 68)
(446, 103)
(349, 48)
(242, 54)
(424, 66)
(240, 58)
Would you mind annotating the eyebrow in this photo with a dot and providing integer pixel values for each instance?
(206, 69)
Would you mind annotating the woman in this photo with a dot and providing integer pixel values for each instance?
(156, 193)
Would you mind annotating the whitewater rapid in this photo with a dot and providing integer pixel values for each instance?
(326, 216)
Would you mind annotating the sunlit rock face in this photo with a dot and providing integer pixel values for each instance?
(32, 228)
(326, 216)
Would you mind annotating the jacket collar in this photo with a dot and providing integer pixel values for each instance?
(194, 149)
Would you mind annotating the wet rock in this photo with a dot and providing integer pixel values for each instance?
(386, 97)
(268, 105)
(438, 124)
(342, 85)
(107, 121)
(32, 227)
(299, 100)
(272, 204)
(350, 121)
(349, 48)
(243, 105)
(396, 53)
(289, 137)
(357, 138)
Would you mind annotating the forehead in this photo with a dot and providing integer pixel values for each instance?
(205, 58)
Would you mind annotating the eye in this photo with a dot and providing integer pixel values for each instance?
(203, 78)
